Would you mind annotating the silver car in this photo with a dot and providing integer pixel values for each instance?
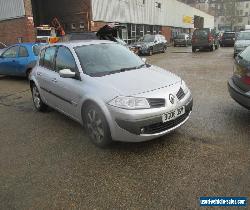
(109, 90)
(242, 42)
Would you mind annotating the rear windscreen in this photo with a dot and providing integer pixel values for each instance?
(180, 36)
(228, 35)
(201, 33)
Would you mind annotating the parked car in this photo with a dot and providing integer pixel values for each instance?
(205, 39)
(19, 59)
(182, 40)
(2, 47)
(150, 44)
(239, 84)
(242, 42)
(110, 90)
(227, 39)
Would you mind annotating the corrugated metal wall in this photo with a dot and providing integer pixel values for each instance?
(11, 9)
(134, 11)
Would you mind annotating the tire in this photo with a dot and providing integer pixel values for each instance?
(164, 49)
(216, 47)
(150, 52)
(28, 73)
(193, 49)
(38, 103)
(211, 48)
(96, 126)
(174, 45)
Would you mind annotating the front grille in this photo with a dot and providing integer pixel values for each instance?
(180, 95)
(160, 127)
(156, 102)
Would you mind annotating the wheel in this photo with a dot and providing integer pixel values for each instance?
(212, 48)
(28, 73)
(193, 49)
(217, 47)
(97, 126)
(164, 49)
(38, 103)
(150, 53)
(174, 45)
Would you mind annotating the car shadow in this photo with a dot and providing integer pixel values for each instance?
(13, 78)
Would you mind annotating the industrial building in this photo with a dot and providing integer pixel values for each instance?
(19, 18)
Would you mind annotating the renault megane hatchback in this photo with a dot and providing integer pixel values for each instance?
(109, 90)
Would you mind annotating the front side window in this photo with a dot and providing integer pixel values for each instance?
(23, 52)
(65, 60)
(49, 56)
(104, 59)
(147, 38)
(243, 36)
(11, 52)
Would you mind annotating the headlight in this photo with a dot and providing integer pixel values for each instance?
(130, 103)
(184, 86)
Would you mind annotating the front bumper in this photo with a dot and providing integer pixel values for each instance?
(238, 95)
(138, 128)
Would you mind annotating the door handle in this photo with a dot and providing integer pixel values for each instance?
(54, 80)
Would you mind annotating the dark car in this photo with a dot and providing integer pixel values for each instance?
(239, 84)
(205, 38)
(182, 40)
(79, 36)
(150, 44)
(228, 39)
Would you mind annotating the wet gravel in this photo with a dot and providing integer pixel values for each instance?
(47, 162)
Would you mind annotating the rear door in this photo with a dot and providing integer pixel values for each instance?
(242, 70)
(22, 61)
(8, 61)
(46, 73)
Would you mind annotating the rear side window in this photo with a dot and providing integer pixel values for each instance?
(65, 60)
(11, 52)
(246, 54)
(48, 61)
(23, 52)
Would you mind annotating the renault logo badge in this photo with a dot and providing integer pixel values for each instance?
(171, 98)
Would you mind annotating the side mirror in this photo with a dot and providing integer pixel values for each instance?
(67, 73)
(144, 60)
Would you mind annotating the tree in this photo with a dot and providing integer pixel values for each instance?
(230, 12)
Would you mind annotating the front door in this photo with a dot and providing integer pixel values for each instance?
(67, 91)
(8, 61)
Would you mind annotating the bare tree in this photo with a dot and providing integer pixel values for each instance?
(230, 12)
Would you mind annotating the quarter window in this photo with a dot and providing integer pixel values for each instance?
(49, 56)
(23, 52)
(65, 60)
(11, 52)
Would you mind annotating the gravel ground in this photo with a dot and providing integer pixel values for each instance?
(47, 162)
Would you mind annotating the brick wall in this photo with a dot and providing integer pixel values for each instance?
(12, 29)
(166, 31)
(95, 26)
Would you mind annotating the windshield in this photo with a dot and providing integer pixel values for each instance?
(147, 38)
(103, 59)
(36, 49)
(43, 32)
(243, 36)
(180, 36)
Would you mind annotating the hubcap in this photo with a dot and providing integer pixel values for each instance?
(95, 126)
(36, 98)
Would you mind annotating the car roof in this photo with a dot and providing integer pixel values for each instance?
(78, 43)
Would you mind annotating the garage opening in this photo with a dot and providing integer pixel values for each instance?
(74, 16)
